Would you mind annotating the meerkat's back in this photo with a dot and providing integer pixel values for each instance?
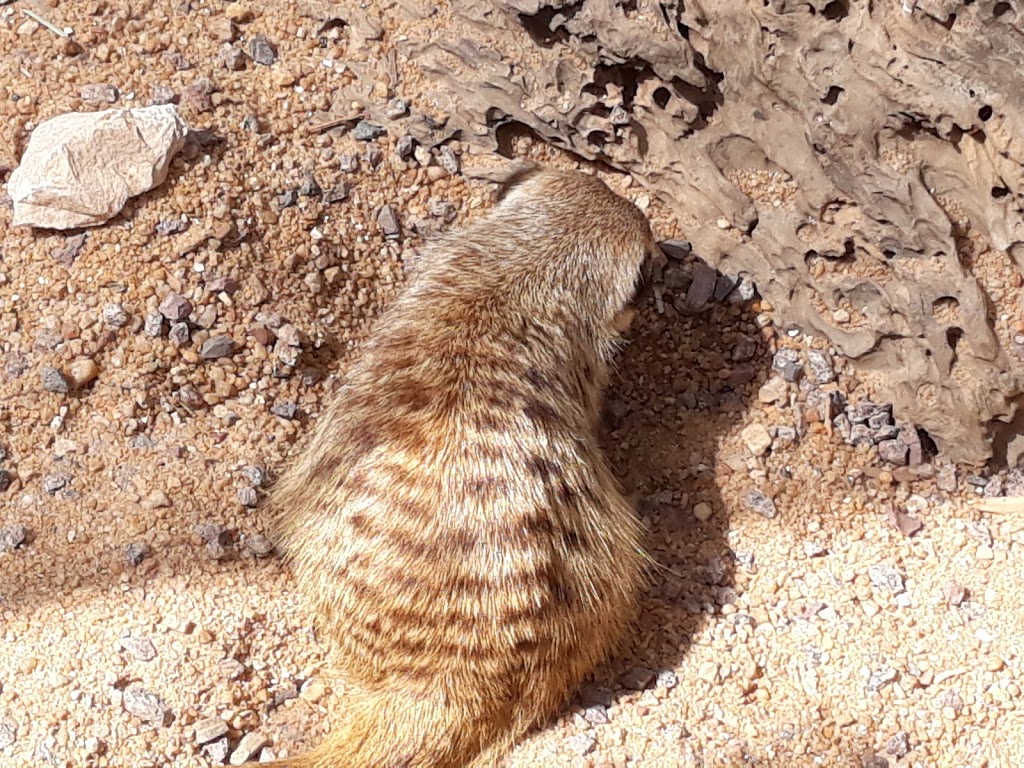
(453, 520)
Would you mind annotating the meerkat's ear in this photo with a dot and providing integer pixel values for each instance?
(517, 174)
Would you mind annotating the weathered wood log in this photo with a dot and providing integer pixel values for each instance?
(859, 160)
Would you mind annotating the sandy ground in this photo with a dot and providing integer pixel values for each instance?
(137, 618)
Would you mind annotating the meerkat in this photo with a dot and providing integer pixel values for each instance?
(462, 539)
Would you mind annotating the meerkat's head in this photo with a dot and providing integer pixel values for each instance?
(598, 244)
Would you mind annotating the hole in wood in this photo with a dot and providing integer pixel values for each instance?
(945, 307)
(929, 448)
(832, 96)
(836, 10)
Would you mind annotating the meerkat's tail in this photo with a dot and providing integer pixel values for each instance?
(399, 730)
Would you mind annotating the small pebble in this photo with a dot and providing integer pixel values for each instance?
(153, 325)
(787, 362)
(248, 497)
(702, 511)
(397, 108)
(442, 209)
(223, 284)
(175, 307)
(637, 678)
(179, 334)
(262, 51)
(285, 410)
(775, 390)
(231, 58)
(448, 160)
(250, 744)
(313, 690)
(373, 157)
(388, 222)
(156, 500)
(212, 533)
(289, 335)
(286, 692)
(309, 186)
(140, 647)
(144, 705)
(761, 503)
(367, 131)
(881, 678)
(206, 317)
(899, 745)
(894, 452)
(286, 199)
(886, 577)
(216, 347)
(334, 195)
(256, 475)
(232, 669)
(667, 679)
(784, 435)
(8, 728)
(582, 743)
(259, 545)
(349, 163)
(424, 157)
(821, 367)
(99, 93)
(55, 482)
(744, 350)
(406, 148)
(115, 316)
(676, 249)
(208, 729)
(224, 29)
(12, 536)
(162, 94)
(757, 439)
(197, 96)
(136, 552)
(814, 549)
(596, 715)
(83, 371)
(70, 250)
(217, 751)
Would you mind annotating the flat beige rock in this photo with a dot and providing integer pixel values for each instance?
(80, 168)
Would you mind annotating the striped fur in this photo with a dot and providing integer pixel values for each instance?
(453, 520)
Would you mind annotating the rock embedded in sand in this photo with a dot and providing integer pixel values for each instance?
(12, 537)
(53, 380)
(145, 705)
(250, 744)
(209, 729)
(80, 168)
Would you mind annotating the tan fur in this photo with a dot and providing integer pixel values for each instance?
(453, 520)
